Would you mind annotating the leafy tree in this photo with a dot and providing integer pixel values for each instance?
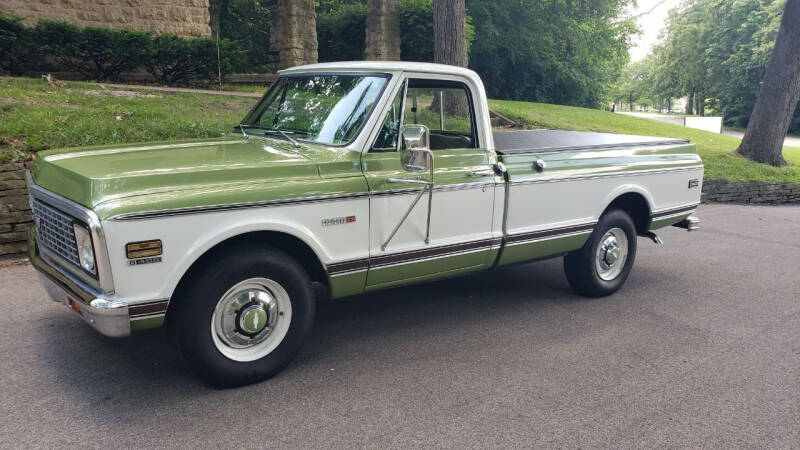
(715, 53)
(554, 51)
(246, 23)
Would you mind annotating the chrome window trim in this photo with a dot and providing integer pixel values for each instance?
(105, 281)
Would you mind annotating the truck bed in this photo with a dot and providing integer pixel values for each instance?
(540, 141)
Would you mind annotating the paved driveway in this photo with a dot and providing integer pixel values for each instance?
(700, 348)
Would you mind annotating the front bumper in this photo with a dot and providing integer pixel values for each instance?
(110, 318)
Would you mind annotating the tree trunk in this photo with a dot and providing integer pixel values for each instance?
(690, 103)
(214, 10)
(293, 32)
(630, 101)
(450, 32)
(450, 46)
(383, 30)
(778, 96)
(700, 100)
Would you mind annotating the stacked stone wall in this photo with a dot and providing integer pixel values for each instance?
(725, 191)
(182, 17)
(15, 211)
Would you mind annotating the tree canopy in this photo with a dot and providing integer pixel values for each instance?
(556, 51)
(714, 53)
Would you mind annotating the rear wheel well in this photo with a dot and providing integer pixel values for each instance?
(637, 207)
(293, 246)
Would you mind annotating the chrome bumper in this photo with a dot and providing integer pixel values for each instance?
(109, 318)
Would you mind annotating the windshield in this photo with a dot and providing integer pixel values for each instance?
(327, 109)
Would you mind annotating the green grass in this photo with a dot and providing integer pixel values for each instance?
(35, 115)
(715, 149)
(252, 88)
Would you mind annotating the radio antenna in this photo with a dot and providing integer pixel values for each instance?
(219, 80)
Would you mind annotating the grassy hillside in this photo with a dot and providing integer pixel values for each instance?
(715, 149)
(36, 115)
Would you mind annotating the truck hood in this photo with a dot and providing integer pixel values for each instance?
(91, 176)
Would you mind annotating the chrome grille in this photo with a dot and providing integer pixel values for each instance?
(54, 230)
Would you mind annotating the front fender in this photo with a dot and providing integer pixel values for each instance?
(187, 237)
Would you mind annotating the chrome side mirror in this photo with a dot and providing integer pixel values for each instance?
(415, 152)
(416, 156)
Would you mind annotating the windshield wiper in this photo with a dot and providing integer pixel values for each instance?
(284, 134)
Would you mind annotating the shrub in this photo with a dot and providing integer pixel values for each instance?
(17, 51)
(416, 30)
(341, 33)
(175, 60)
(97, 53)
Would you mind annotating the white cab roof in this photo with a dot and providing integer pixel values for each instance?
(384, 66)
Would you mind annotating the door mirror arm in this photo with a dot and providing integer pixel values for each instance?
(415, 156)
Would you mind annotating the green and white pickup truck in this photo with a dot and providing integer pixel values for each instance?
(359, 176)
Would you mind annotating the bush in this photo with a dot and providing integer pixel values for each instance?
(175, 60)
(97, 53)
(341, 33)
(104, 53)
(416, 30)
(17, 50)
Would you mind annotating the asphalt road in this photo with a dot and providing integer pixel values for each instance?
(700, 348)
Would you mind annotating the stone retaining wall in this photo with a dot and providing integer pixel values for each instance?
(182, 17)
(15, 212)
(725, 191)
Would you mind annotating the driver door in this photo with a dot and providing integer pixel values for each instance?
(460, 235)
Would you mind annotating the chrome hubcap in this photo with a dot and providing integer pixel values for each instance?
(611, 254)
(251, 319)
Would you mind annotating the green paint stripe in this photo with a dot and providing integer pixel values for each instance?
(428, 268)
(542, 249)
(146, 324)
(347, 284)
(430, 276)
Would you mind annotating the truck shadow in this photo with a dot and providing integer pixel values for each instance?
(113, 376)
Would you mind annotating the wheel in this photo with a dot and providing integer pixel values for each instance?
(243, 318)
(602, 265)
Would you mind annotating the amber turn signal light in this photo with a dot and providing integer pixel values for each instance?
(143, 249)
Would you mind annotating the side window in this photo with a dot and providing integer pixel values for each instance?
(387, 137)
(445, 108)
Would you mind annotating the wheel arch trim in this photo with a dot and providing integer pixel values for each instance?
(214, 240)
(631, 190)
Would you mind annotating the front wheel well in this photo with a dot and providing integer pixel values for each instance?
(286, 242)
(636, 206)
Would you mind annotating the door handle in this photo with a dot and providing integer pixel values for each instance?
(481, 173)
